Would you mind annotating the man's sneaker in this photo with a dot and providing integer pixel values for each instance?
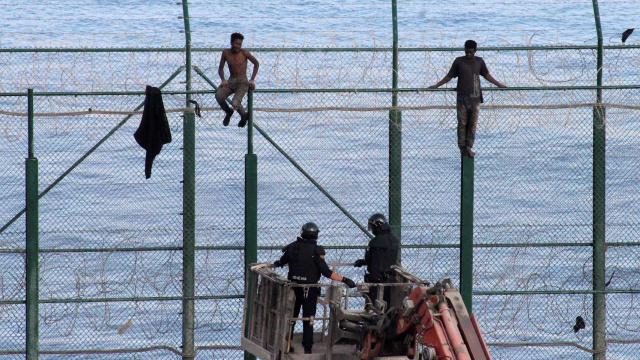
(469, 152)
(307, 351)
(227, 118)
(243, 119)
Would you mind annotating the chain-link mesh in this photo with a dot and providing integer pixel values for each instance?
(106, 203)
(12, 195)
(533, 210)
(111, 239)
(86, 70)
(367, 68)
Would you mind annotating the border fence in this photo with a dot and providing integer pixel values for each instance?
(540, 228)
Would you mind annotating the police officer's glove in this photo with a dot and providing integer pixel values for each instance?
(359, 263)
(348, 282)
(277, 263)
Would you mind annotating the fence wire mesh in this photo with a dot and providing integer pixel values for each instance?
(314, 68)
(111, 240)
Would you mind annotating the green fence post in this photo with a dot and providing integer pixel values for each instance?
(188, 237)
(599, 239)
(188, 206)
(466, 231)
(599, 201)
(395, 141)
(31, 264)
(187, 47)
(250, 213)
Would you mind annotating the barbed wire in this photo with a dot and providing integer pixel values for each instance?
(113, 317)
(76, 71)
(329, 108)
(306, 132)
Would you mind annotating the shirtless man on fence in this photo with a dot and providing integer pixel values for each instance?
(238, 84)
(468, 69)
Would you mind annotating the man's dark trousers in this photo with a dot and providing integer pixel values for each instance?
(308, 305)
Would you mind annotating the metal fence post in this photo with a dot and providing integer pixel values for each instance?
(187, 47)
(395, 141)
(31, 263)
(466, 231)
(188, 207)
(250, 213)
(599, 239)
(188, 237)
(599, 201)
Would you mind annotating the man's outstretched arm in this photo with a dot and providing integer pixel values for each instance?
(221, 69)
(494, 81)
(256, 66)
(444, 80)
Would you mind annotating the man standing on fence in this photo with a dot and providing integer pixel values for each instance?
(238, 84)
(469, 94)
(306, 263)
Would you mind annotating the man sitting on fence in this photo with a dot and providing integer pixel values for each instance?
(237, 84)
(469, 94)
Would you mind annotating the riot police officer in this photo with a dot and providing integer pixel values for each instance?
(306, 263)
(380, 255)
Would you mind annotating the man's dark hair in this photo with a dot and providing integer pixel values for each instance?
(235, 36)
(470, 44)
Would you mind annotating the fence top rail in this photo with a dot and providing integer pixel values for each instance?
(324, 90)
(390, 90)
(313, 49)
(13, 94)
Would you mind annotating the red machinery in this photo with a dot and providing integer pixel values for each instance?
(432, 323)
(406, 319)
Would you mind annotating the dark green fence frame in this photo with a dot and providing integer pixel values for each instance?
(189, 248)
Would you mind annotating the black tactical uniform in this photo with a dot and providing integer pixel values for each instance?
(380, 255)
(306, 263)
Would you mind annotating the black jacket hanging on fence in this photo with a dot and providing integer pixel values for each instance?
(153, 131)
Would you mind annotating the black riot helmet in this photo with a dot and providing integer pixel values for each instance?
(376, 223)
(309, 231)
